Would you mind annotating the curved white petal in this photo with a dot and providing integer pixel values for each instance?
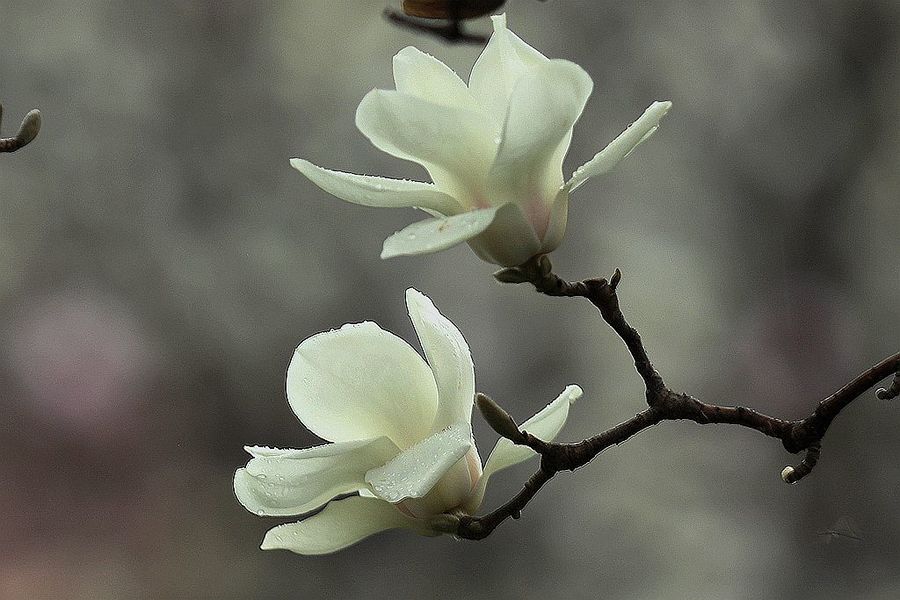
(449, 357)
(432, 235)
(545, 425)
(292, 482)
(544, 106)
(377, 191)
(622, 146)
(509, 241)
(361, 382)
(413, 472)
(341, 524)
(556, 230)
(423, 76)
(454, 144)
(504, 60)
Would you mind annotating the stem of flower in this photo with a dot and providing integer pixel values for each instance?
(663, 403)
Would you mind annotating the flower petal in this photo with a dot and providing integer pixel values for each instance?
(622, 146)
(360, 382)
(545, 425)
(556, 229)
(292, 482)
(413, 472)
(341, 524)
(504, 60)
(423, 76)
(454, 144)
(509, 241)
(432, 235)
(377, 191)
(449, 357)
(544, 106)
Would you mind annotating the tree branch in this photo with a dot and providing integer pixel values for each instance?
(663, 403)
(28, 130)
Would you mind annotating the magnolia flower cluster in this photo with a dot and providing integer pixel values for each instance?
(494, 150)
(400, 451)
(400, 432)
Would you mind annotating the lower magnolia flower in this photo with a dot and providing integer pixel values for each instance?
(494, 150)
(401, 437)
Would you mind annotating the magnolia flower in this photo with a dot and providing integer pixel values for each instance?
(400, 432)
(494, 150)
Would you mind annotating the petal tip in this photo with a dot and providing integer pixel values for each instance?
(573, 393)
(415, 300)
(270, 543)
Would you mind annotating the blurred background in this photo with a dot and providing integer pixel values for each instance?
(160, 260)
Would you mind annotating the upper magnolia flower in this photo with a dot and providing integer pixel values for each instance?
(494, 150)
(401, 436)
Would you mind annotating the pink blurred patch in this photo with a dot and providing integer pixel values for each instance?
(80, 356)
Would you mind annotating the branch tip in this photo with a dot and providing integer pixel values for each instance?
(614, 280)
(891, 392)
(28, 130)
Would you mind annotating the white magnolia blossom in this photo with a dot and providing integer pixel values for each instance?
(494, 150)
(400, 432)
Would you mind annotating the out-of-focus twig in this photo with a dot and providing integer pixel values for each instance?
(419, 15)
(28, 130)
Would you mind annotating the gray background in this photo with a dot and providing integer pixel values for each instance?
(159, 261)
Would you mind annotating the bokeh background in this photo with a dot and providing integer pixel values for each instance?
(159, 261)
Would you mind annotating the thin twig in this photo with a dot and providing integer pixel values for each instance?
(451, 30)
(28, 130)
(663, 403)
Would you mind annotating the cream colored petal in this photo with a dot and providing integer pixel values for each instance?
(423, 76)
(556, 230)
(543, 108)
(377, 191)
(509, 241)
(449, 357)
(504, 60)
(432, 235)
(545, 425)
(622, 146)
(341, 524)
(361, 382)
(413, 472)
(293, 482)
(454, 144)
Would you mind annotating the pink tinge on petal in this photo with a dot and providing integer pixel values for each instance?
(537, 211)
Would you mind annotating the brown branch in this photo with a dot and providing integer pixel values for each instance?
(663, 403)
(451, 30)
(28, 130)
(419, 16)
